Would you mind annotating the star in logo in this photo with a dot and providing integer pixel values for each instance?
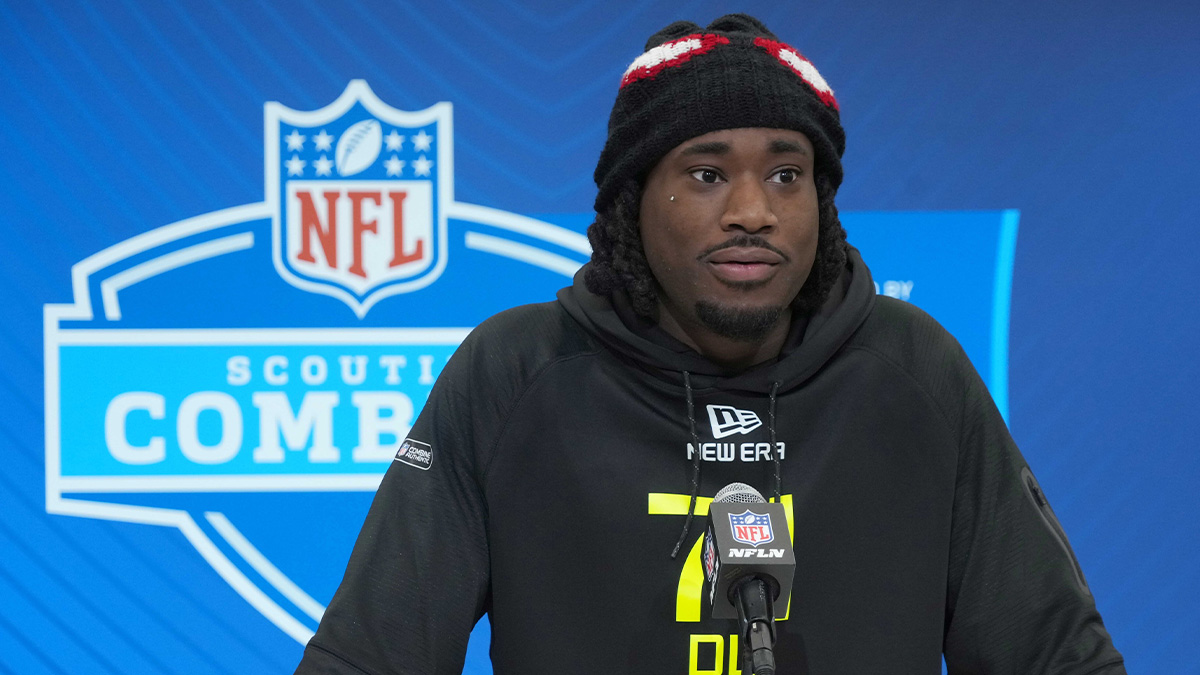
(295, 141)
(324, 141)
(324, 166)
(422, 141)
(394, 140)
(394, 165)
(422, 166)
(295, 165)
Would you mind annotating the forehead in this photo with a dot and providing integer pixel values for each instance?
(746, 140)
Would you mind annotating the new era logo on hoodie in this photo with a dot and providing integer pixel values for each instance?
(727, 420)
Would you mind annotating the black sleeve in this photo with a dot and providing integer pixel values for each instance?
(1017, 601)
(418, 579)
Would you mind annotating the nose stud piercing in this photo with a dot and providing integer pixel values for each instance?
(672, 197)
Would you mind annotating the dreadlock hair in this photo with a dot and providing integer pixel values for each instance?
(619, 260)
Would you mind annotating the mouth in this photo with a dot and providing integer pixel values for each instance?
(741, 265)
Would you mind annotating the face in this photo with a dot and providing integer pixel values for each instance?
(735, 245)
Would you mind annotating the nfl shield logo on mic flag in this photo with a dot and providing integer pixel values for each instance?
(751, 528)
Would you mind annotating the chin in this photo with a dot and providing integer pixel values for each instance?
(742, 323)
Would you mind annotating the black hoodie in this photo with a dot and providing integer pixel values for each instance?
(548, 478)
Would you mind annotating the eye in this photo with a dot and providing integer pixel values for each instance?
(706, 175)
(785, 175)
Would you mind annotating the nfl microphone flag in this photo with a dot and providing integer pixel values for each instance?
(745, 540)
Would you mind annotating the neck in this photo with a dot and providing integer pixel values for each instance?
(730, 354)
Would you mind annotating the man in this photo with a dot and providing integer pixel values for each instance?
(722, 332)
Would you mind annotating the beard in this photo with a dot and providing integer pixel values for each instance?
(738, 324)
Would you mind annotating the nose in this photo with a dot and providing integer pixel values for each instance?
(748, 207)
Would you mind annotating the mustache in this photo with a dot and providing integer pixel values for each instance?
(744, 240)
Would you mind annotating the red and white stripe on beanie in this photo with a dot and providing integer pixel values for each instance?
(670, 54)
(793, 59)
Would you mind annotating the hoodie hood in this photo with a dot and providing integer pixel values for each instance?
(812, 342)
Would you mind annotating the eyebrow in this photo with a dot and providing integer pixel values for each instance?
(709, 148)
(778, 146)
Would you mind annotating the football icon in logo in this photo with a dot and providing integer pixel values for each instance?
(358, 148)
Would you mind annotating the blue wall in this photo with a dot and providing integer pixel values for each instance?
(122, 117)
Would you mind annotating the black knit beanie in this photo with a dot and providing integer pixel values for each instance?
(693, 80)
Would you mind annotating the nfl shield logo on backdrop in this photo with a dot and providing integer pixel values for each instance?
(359, 191)
(751, 528)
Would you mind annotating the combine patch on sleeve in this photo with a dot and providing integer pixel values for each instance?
(415, 453)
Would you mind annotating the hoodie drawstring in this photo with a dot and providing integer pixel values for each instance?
(774, 445)
(691, 412)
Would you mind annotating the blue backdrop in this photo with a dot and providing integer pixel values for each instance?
(145, 253)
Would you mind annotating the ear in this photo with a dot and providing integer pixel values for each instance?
(672, 32)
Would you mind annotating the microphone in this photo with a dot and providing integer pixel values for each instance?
(748, 564)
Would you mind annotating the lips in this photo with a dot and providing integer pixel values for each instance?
(745, 255)
(743, 265)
